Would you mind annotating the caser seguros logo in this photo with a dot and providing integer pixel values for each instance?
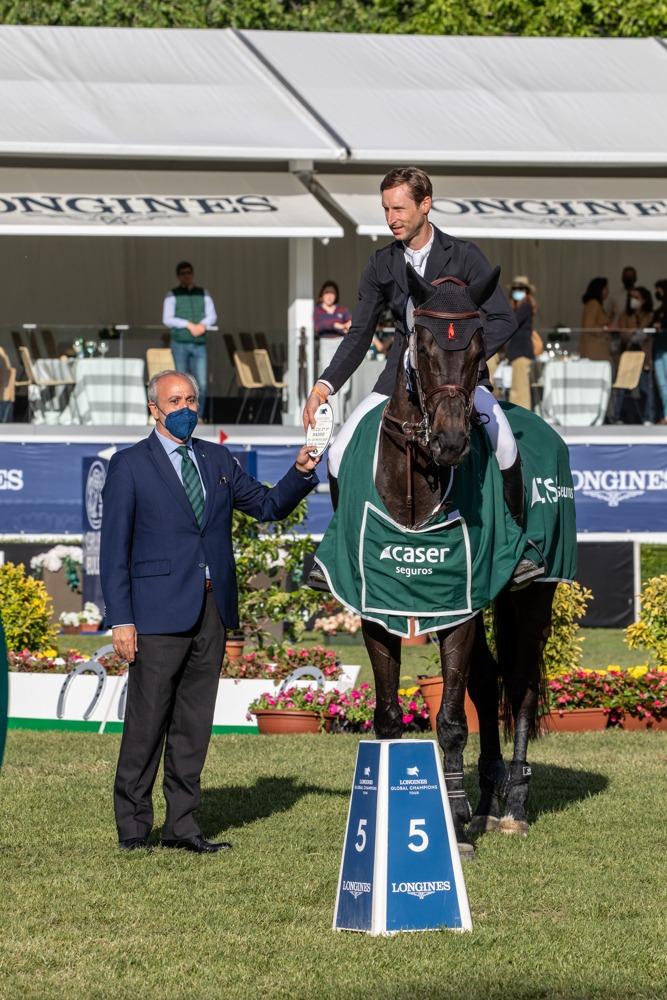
(415, 560)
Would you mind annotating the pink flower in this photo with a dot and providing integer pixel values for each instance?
(407, 719)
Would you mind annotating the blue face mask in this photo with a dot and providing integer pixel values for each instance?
(518, 294)
(181, 423)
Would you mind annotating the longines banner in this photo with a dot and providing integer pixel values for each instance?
(159, 203)
(617, 488)
(521, 207)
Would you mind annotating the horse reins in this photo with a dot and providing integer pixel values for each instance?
(413, 435)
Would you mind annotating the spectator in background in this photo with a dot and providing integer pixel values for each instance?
(595, 341)
(621, 301)
(188, 312)
(519, 348)
(632, 328)
(660, 344)
(331, 322)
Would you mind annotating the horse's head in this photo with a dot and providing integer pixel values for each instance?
(445, 350)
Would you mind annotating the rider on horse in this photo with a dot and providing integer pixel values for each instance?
(406, 199)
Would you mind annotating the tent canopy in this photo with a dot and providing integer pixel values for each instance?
(481, 100)
(590, 208)
(128, 92)
(158, 203)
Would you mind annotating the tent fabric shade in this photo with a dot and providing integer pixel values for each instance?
(584, 208)
(168, 93)
(494, 100)
(159, 203)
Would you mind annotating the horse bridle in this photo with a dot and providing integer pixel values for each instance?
(414, 436)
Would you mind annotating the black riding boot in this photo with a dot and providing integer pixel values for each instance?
(316, 578)
(513, 492)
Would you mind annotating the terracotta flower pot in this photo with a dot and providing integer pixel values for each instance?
(70, 629)
(234, 649)
(414, 640)
(576, 720)
(281, 721)
(89, 627)
(632, 723)
(432, 689)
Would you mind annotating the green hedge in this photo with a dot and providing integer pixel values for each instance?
(653, 561)
(429, 17)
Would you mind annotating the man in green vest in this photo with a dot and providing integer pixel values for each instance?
(188, 311)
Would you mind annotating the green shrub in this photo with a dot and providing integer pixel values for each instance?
(25, 607)
(653, 561)
(650, 632)
(563, 650)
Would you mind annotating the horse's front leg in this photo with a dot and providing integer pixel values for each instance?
(456, 646)
(384, 650)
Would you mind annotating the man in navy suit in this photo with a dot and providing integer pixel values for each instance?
(169, 582)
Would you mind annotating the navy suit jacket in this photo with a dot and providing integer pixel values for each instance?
(153, 552)
(384, 282)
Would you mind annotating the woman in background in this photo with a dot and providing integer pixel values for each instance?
(331, 321)
(632, 325)
(595, 341)
(519, 348)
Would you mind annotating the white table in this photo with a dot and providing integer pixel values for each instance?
(109, 391)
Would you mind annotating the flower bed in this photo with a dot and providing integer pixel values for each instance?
(638, 692)
(278, 662)
(349, 711)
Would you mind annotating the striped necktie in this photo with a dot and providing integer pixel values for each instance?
(191, 483)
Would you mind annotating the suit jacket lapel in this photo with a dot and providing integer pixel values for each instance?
(439, 257)
(169, 475)
(397, 266)
(207, 476)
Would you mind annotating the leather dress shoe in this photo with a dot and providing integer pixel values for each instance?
(133, 843)
(197, 845)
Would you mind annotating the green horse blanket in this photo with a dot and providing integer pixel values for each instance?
(446, 570)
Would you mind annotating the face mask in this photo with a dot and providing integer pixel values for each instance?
(181, 423)
(518, 294)
(635, 304)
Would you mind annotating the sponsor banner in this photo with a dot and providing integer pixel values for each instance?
(354, 908)
(40, 485)
(617, 488)
(94, 475)
(421, 882)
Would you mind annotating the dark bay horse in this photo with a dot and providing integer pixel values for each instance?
(425, 431)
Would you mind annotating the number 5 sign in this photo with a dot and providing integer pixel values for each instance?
(400, 869)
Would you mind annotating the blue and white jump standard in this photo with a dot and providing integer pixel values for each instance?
(400, 869)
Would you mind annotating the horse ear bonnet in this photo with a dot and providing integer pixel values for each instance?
(454, 333)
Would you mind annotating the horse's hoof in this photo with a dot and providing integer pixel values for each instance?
(466, 851)
(482, 824)
(514, 827)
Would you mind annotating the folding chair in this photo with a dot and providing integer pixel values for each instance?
(37, 380)
(247, 341)
(159, 359)
(268, 378)
(248, 378)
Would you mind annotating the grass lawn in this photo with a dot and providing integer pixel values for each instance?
(575, 912)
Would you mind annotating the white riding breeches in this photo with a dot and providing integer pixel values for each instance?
(495, 424)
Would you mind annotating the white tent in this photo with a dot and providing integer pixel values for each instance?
(481, 100)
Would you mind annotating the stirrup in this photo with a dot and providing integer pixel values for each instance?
(526, 571)
(316, 580)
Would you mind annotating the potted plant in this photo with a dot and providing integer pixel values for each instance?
(296, 710)
(581, 700)
(644, 699)
(88, 620)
